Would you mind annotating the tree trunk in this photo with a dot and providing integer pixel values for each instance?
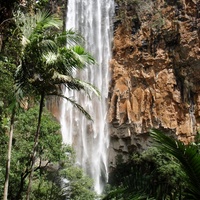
(5, 195)
(21, 187)
(1, 41)
(34, 152)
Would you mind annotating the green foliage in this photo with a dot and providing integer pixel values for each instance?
(46, 61)
(6, 81)
(79, 187)
(188, 157)
(53, 162)
(22, 145)
(49, 146)
(45, 64)
(35, 60)
(3, 150)
(149, 175)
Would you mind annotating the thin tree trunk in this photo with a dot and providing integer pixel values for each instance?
(1, 41)
(37, 134)
(21, 187)
(5, 195)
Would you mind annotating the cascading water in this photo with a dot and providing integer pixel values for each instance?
(91, 18)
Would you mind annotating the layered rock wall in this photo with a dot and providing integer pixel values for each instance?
(155, 72)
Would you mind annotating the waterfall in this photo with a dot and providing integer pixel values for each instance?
(90, 139)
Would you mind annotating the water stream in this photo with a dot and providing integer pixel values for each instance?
(92, 18)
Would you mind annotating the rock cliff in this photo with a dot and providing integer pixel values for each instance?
(155, 72)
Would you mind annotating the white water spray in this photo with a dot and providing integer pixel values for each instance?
(91, 18)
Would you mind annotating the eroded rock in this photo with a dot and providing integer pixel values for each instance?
(155, 75)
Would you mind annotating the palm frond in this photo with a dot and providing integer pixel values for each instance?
(48, 20)
(47, 45)
(68, 61)
(34, 25)
(121, 193)
(188, 156)
(76, 105)
(25, 41)
(73, 85)
(62, 60)
(70, 82)
(26, 24)
(19, 77)
(83, 56)
(46, 61)
(58, 78)
(50, 58)
(69, 38)
(116, 193)
(74, 38)
(89, 87)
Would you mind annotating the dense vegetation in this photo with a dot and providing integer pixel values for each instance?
(34, 164)
(170, 170)
(52, 165)
(34, 62)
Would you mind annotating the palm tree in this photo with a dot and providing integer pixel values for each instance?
(47, 62)
(188, 157)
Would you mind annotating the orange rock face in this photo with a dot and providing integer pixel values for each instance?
(155, 73)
